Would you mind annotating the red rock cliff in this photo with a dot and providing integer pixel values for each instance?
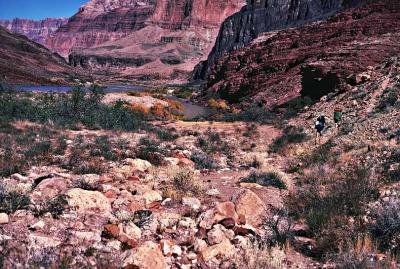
(37, 31)
(312, 60)
(160, 38)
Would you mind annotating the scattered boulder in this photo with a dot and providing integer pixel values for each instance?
(221, 211)
(132, 231)
(168, 220)
(38, 225)
(169, 161)
(222, 250)
(192, 202)
(184, 162)
(148, 255)
(250, 205)
(3, 218)
(50, 188)
(88, 201)
(138, 164)
(228, 223)
(112, 230)
(38, 241)
(150, 196)
(216, 235)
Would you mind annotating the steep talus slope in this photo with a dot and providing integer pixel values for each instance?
(26, 62)
(37, 31)
(313, 60)
(142, 39)
(261, 16)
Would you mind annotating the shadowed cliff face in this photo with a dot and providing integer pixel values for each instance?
(312, 60)
(37, 31)
(142, 39)
(23, 61)
(260, 16)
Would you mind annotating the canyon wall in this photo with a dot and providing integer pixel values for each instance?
(37, 31)
(149, 39)
(100, 21)
(260, 16)
(313, 60)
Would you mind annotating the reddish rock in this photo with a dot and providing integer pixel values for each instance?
(178, 154)
(111, 194)
(243, 231)
(129, 242)
(135, 206)
(133, 178)
(228, 223)
(225, 210)
(251, 206)
(112, 229)
(184, 162)
(242, 219)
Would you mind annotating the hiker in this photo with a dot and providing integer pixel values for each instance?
(337, 116)
(319, 127)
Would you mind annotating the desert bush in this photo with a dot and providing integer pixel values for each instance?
(294, 106)
(386, 228)
(211, 142)
(321, 155)
(389, 98)
(61, 146)
(290, 135)
(11, 201)
(102, 147)
(269, 178)
(218, 104)
(93, 166)
(257, 254)
(55, 207)
(327, 209)
(20, 149)
(150, 150)
(187, 182)
(184, 183)
(279, 228)
(254, 113)
(203, 161)
(166, 134)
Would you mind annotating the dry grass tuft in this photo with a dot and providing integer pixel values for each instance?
(257, 255)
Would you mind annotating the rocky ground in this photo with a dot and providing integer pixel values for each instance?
(200, 194)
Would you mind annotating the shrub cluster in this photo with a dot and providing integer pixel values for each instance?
(326, 209)
(78, 106)
(290, 135)
(11, 201)
(270, 178)
(212, 143)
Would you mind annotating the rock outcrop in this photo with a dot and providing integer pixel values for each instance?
(26, 62)
(312, 60)
(261, 16)
(37, 31)
(142, 39)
